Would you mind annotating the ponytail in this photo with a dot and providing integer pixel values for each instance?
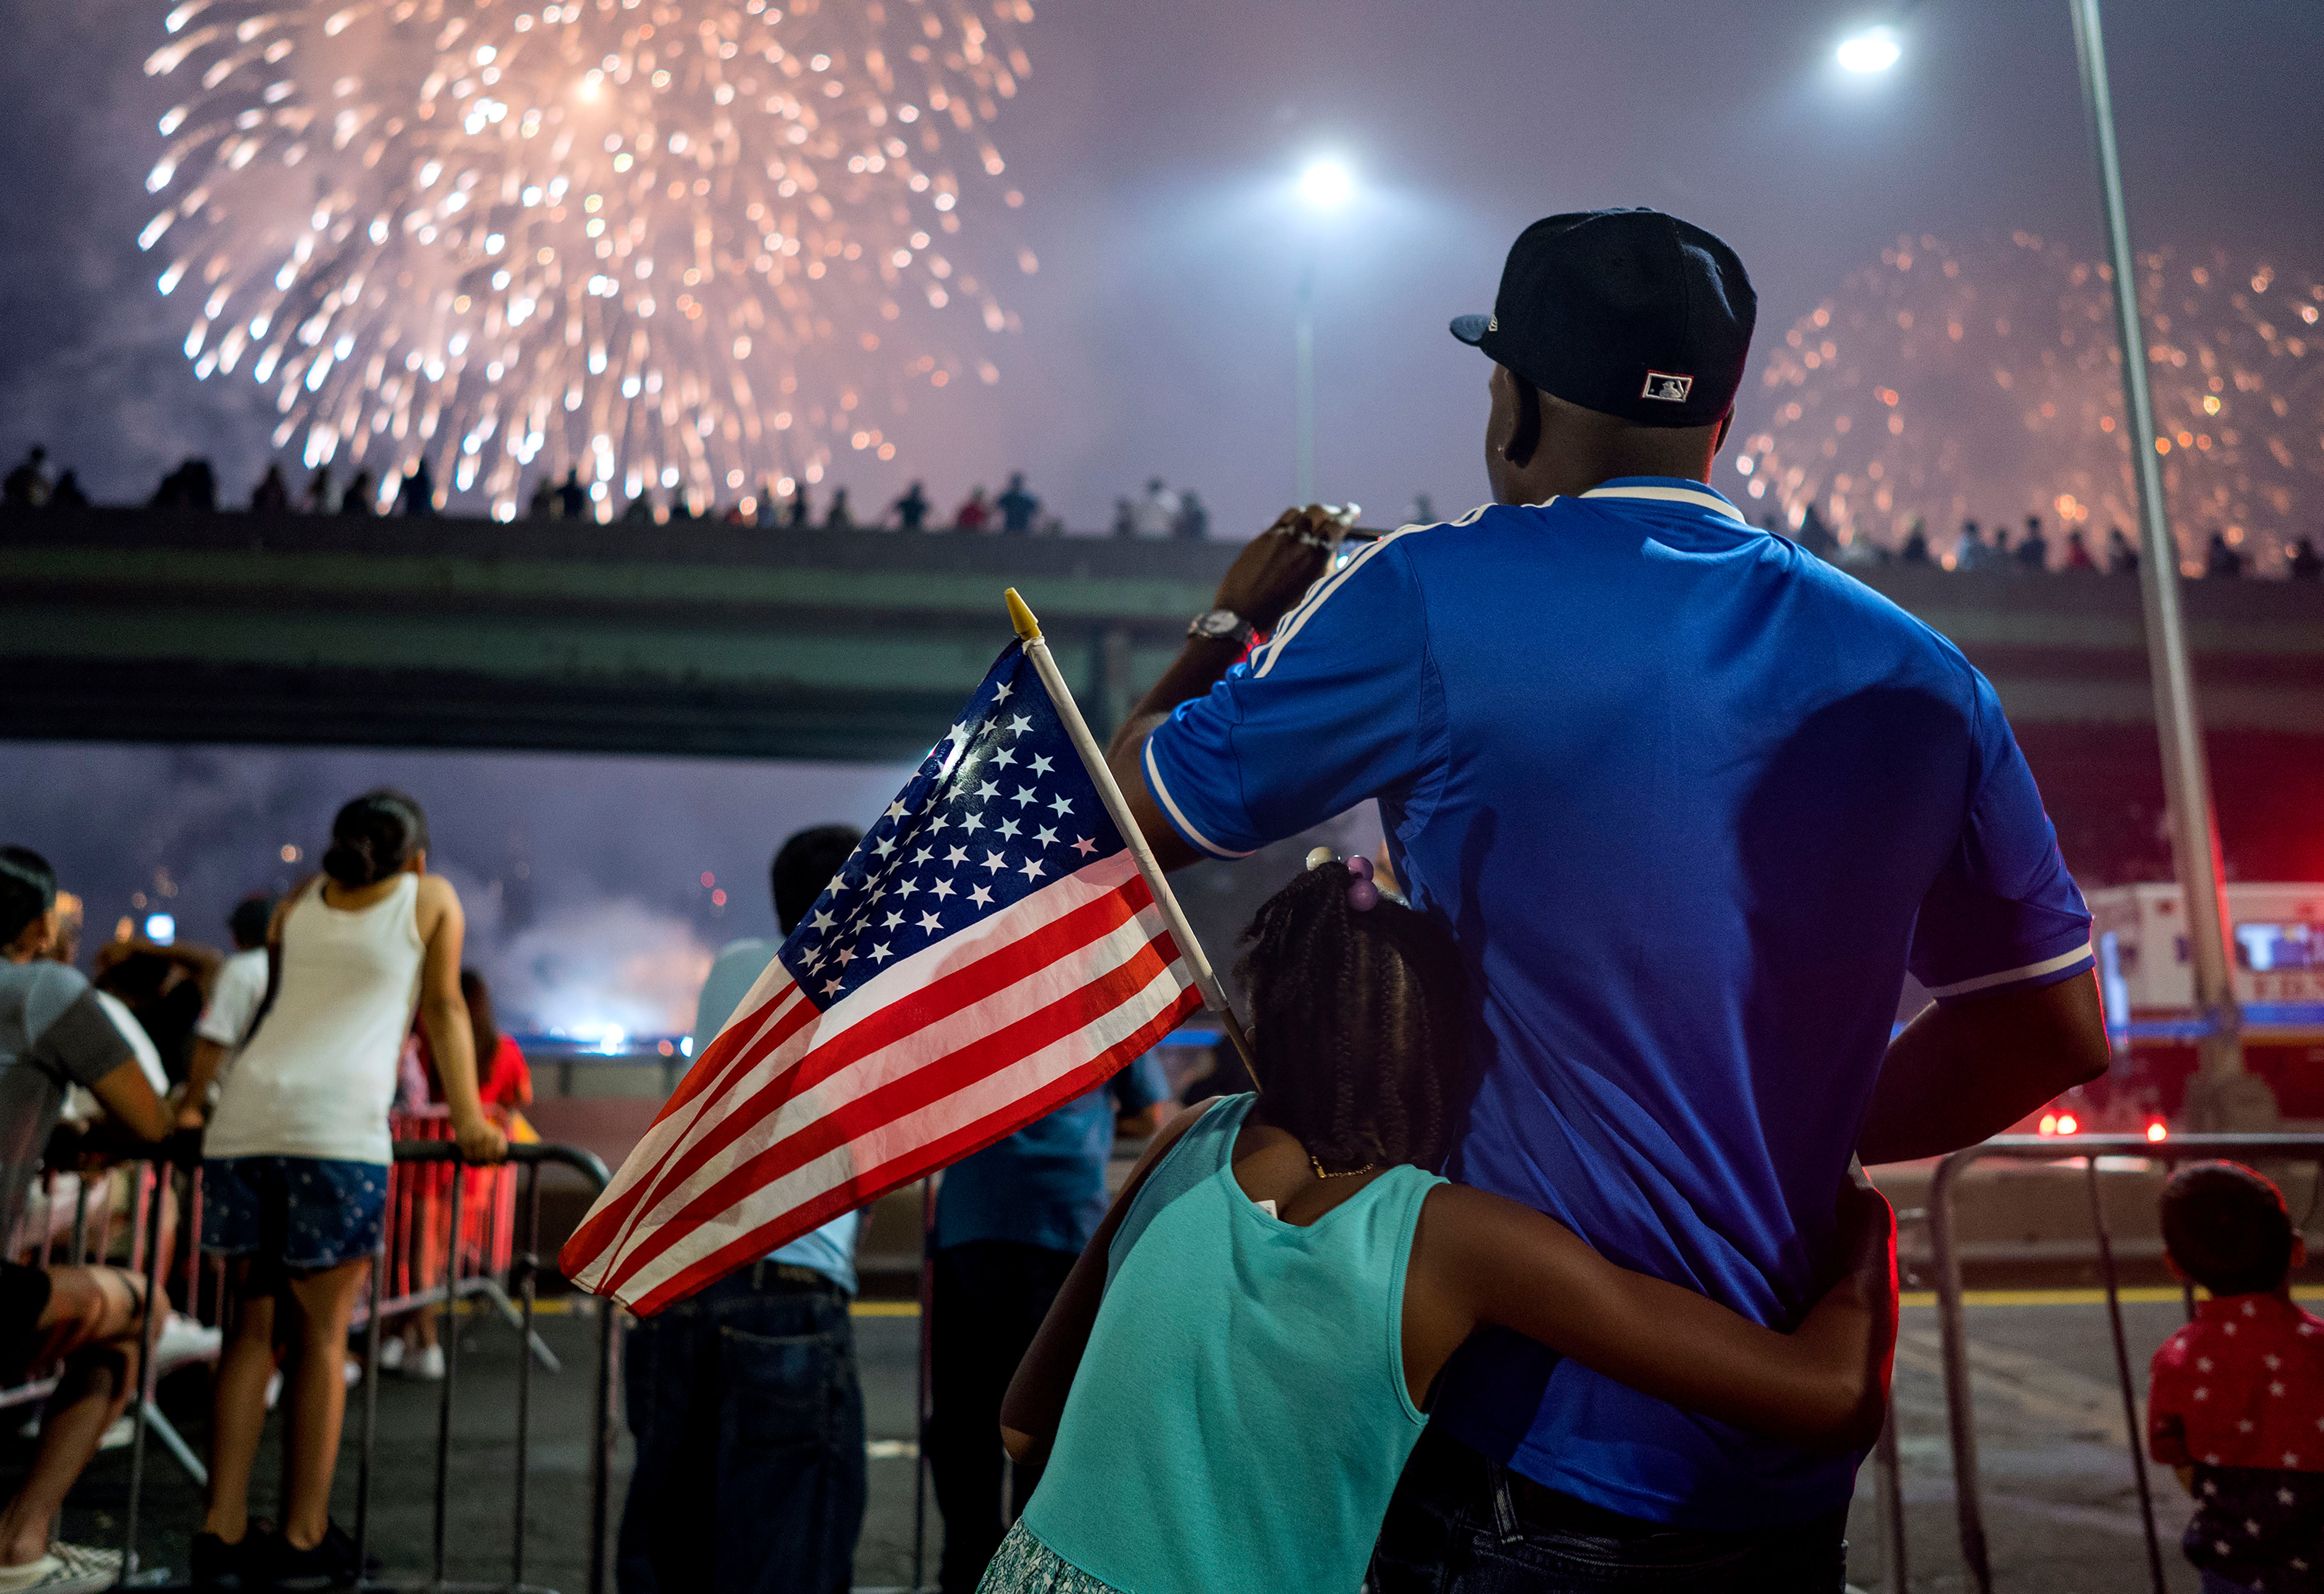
(373, 837)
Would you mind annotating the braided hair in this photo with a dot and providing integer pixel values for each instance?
(1360, 1023)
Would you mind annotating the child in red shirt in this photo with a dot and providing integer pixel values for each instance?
(2235, 1399)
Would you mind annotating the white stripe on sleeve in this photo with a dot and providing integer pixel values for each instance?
(2048, 965)
(1177, 815)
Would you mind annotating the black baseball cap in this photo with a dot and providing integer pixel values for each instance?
(1629, 312)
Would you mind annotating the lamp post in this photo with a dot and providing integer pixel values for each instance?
(1323, 187)
(2223, 1096)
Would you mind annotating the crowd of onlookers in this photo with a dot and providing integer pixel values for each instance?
(1162, 511)
(2032, 553)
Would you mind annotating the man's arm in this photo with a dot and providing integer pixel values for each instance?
(1964, 1070)
(1265, 582)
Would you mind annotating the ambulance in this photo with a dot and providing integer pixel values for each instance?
(2148, 981)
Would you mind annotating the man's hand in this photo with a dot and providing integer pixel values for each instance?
(1277, 567)
(481, 1140)
(1964, 1070)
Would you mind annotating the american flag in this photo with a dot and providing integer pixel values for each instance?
(990, 953)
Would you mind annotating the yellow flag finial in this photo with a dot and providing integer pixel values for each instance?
(1027, 628)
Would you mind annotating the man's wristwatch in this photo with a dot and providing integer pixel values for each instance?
(1221, 625)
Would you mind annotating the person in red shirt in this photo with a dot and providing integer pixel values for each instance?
(2235, 1399)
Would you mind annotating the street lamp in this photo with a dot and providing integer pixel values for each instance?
(2223, 1096)
(1875, 49)
(1325, 186)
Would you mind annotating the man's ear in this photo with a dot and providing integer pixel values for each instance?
(1524, 437)
(1719, 434)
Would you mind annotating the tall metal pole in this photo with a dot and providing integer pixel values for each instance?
(1303, 392)
(2186, 780)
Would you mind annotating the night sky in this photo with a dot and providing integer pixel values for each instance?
(1155, 146)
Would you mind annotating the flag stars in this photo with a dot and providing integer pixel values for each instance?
(930, 923)
(884, 845)
(1061, 806)
(1030, 869)
(1045, 836)
(879, 953)
(1008, 828)
(1085, 846)
(994, 861)
(922, 856)
(981, 897)
(1004, 758)
(845, 955)
(956, 856)
(831, 987)
(821, 921)
(896, 810)
(1043, 764)
(908, 887)
(988, 790)
(1018, 725)
(891, 921)
(1024, 794)
(1002, 692)
(973, 824)
(941, 890)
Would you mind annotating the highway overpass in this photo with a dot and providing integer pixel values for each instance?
(711, 640)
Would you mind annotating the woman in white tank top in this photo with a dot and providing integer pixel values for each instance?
(295, 1165)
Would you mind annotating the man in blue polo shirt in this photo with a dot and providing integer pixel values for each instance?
(1693, 803)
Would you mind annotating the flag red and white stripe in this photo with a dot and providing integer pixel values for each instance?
(796, 1113)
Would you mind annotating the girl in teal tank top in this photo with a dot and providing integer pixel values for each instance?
(1234, 1374)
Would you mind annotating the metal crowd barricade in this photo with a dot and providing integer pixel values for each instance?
(92, 1236)
(467, 1249)
(1945, 1256)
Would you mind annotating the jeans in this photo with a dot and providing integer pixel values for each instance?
(749, 1422)
(1462, 1524)
(991, 1296)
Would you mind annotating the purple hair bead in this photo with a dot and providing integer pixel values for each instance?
(1363, 897)
(1360, 867)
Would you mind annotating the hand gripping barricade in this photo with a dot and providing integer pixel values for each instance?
(1945, 1257)
(452, 1233)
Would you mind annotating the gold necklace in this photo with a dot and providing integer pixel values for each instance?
(1324, 1173)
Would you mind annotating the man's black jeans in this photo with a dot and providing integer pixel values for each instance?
(1462, 1524)
(749, 1423)
(991, 1296)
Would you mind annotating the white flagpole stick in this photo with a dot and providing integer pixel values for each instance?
(1028, 632)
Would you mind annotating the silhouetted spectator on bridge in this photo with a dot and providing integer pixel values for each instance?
(1016, 506)
(1194, 521)
(972, 513)
(1157, 511)
(1968, 553)
(66, 497)
(2003, 558)
(1916, 547)
(27, 486)
(800, 513)
(2122, 559)
(321, 499)
(572, 497)
(911, 510)
(418, 496)
(839, 517)
(2034, 553)
(357, 501)
(1125, 518)
(1423, 512)
(2306, 565)
(681, 508)
(638, 511)
(542, 506)
(271, 496)
(1816, 536)
(768, 513)
(192, 485)
(2220, 562)
(2078, 555)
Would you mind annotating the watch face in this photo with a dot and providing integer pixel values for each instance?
(1218, 622)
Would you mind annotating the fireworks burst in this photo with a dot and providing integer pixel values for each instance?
(678, 244)
(1946, 384)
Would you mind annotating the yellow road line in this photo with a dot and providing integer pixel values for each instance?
(2142, 1295)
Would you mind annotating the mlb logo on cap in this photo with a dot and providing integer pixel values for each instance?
(1662, 385)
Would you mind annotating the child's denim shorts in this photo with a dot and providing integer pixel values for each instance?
(302, 1212)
